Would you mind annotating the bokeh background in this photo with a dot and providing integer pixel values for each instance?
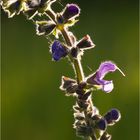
(33, 107)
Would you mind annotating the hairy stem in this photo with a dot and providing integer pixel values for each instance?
(76, 61)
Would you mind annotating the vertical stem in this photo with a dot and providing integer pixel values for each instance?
(75, 61)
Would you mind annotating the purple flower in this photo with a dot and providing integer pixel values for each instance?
(97, 77)
(102, 124)
(112, 116)
(71, 11)
(58, 50)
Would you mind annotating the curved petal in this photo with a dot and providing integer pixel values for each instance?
(105, 68)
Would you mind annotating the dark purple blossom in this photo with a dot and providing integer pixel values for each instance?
(71, 11)
(58, 50)
(102, 124)
(112, 116)
(97, 77)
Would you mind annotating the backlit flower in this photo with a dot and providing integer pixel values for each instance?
(58, 50)
(97, 77)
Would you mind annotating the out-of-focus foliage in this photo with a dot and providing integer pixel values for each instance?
(33, 107)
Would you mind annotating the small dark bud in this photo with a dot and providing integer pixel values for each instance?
(66, 81)
(45, 29)
(101, 124)
(68, 85)
(105, 136)
(112, 116)
(71, 11)
(85, 43)
(74, 52)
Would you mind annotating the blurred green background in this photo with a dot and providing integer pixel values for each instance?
(33, 107)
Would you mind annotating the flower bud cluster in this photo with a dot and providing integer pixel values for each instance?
(88, 121)
(28, 7)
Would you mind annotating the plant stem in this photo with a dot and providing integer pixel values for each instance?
(76, 62)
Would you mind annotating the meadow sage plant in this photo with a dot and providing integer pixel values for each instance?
(89, 123)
